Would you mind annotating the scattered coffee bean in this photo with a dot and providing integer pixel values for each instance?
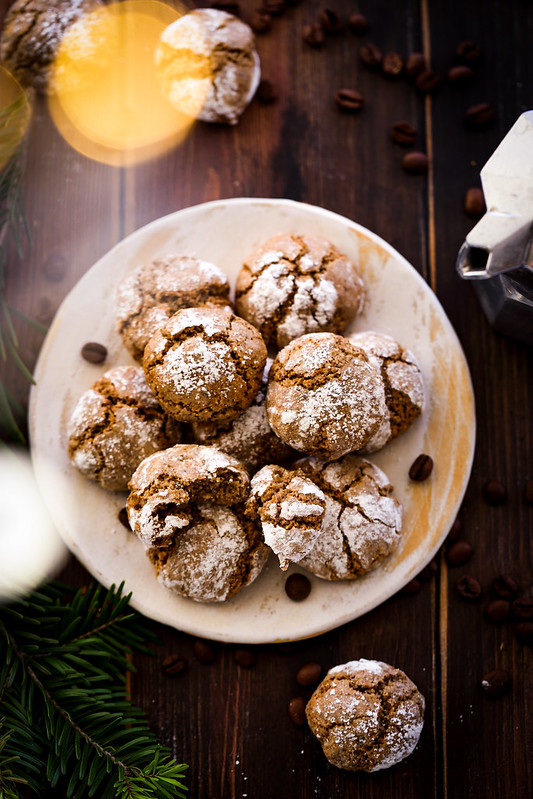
(245, 658)
(468, 587)
(427, 82)
(474, 203)
(498, 611)
(422, 466)
(460, 75)
(54, 268)
(309, 674)
(123, 518)
(260, 22)
(504, 586)
(496, 683)
(371, 56)
(392, 65)
(349, 100)
(429, 571)
(330, 21)
(495, 492)
(479, 116)
(203, 652)
(174, 665)
(468, 52)
(524, 632)
(403, 133)
(358, 24)
(413, 587)
(266, 92)
(94, 352)
(528, 492)
(297, 587)
(415, 65)
(455, 531)
(522, 607)
(297, 710)
(459, 552)
(415, 163)
(274, 7)
(313, 35)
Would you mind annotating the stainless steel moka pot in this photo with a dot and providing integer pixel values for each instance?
(498, 252)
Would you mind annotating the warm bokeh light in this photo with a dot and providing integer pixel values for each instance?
(14, 115)
(106, 98)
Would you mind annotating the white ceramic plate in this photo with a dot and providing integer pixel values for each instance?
(398, 303)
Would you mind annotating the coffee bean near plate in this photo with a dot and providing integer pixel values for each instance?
(296, 710)
(94, 352)
(309, 674)
(468, 52)
(274, 7)
(313, 35)
(495, 492)
(123, 518)
(498, 611)
(349, 100)
(330, 21)
(427, 82)
(260, 21)
(474, 202)
(522, 607)
(459, 552)
(413, 587)
(297, 587)
(505, 586)
(173, 665)
(422, 466)
(371, 56)
(266, 92)
(403, 133)
(429, 571)
(479, 116)
(528, 492)
(392, 65)
(496, 683)
(460, 75)
(524, 632)
(203, 652)
(468, 587)
(358, 24)
(455, 531)
(415, 163)
(415, 65)
(245, 658)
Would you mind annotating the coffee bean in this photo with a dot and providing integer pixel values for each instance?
(54, 268)
(460, 75)
(245, 658)
(455, 531)
(427, 82)
(429, 571)
(297, 710)
(524, 632)
(313, 35)
(474, 203)
(123, 518)
(174, 665)
(330, 21)
(415, 164)
(415, 64)
(522, 607)
(504, 586)
(309, 674)
(495, 492)
(297, 587)
(203, 652)
(459, 552)
(274, 7)
(403, 133)
(528, 492)
(349, 100)
(496, 683)
(498, 611)
(392, 65)
(94, 352)
(358, 24)
(422, 466)
(468, 52)
(468, 587)
(266, 92)
(371, 56)
(260, 22)
(413, 587)
(479, 116)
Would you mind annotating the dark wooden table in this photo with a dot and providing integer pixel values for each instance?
(231, 723)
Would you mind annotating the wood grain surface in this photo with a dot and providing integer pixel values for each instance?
(228, 722)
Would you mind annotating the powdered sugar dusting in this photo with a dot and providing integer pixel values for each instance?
(355, 666)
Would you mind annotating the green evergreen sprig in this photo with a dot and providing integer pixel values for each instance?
(66, 722)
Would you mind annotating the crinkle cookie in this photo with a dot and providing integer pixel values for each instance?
(208, 66)
(291, 509)
(32, 32)
(324, 396)
(292, 285)
(154, 292)
(205, 364)
(186, 504)
(115, 425)
(404, 386)
(363, 519)
(367, 715)
(249, 437)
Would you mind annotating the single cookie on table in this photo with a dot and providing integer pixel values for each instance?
(115, 425)
(292, 285)
(404, 386)
(249, 437)
(291, 509)
(205, 364)
(186, 504)
(324, 396)
(208, 65)
(363, 520)
(367, 715)
(32, 33)
(155, 291)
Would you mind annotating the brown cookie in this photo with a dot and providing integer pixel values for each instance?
(156, 291)
(367, 715)
(324, 396)
(115, 425)
(292, 285)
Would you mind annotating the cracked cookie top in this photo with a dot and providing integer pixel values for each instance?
(156, 291)
(115, 425)
(292, 285)
(205, 364)
(367, 715)
(362, 522)
(324, 396)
